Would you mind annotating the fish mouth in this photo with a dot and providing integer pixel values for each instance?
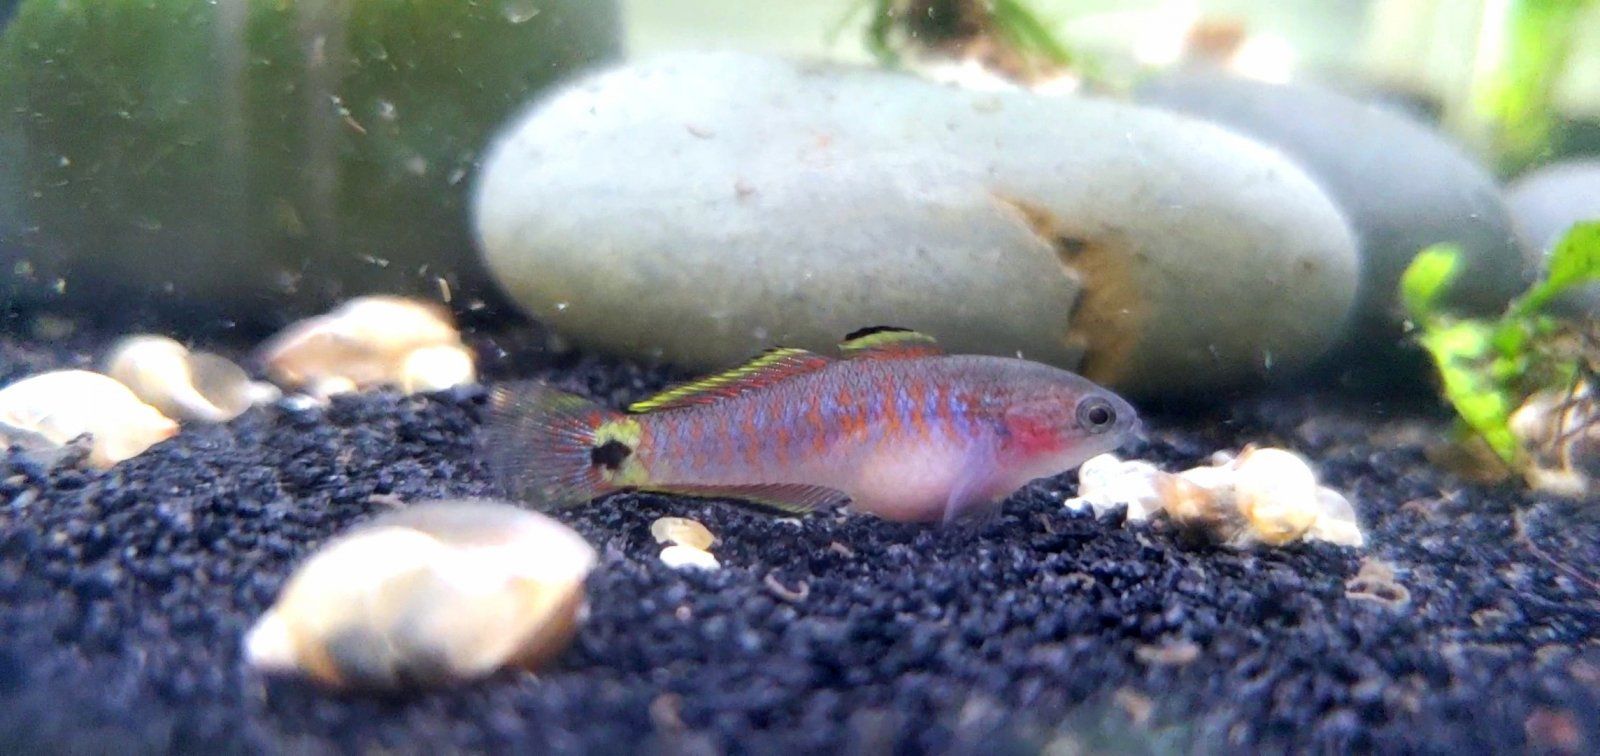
(1132, 435)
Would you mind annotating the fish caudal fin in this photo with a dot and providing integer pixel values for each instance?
(553, 449)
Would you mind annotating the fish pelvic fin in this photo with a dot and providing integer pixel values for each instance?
(773, 366)
(888, 343)
(553, 449)
(769, 498)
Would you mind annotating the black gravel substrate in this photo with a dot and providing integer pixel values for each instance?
(125, 595)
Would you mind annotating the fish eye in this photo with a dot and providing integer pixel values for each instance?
(1096, 415)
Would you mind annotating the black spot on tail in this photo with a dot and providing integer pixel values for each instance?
(609, 454)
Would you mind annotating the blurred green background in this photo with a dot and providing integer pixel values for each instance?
(1517, 80)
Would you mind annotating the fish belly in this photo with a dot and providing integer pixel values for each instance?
(911, 484)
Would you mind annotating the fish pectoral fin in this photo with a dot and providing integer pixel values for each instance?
(888, 343)
(773, 366)
(782, 498)
(972, 493)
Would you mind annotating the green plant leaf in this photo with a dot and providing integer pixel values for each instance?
(1574, 262)
(1426, 279)
(1028, 32)
(1459, 349)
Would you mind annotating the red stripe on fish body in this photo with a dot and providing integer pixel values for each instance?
(916, 391)
(750, 430)
(816, 426)
(726, 430)
(888, 406)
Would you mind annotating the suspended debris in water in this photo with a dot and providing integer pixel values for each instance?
(370, 342)
(48, 410)
(183, 384)
(436, 593)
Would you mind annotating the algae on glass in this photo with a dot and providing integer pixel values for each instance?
(244, 155)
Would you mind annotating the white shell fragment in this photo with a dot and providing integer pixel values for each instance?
(183, 384)
(682, 531)
(1560, 436)
(1264, 496)
(1105, 482)
(1276, 492)
(435, 593)
(50, 409)
(678, 556)
(370, 342)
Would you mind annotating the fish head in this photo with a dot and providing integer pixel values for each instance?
(1056, 420)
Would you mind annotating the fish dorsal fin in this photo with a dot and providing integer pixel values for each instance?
(888, 343)
(771, 367)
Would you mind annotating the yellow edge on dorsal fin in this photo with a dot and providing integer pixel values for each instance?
(888, 342)
(771, 367)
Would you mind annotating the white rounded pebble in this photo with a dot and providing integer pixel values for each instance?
(1121, 239)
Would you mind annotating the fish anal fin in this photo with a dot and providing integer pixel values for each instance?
(780, 498)
(888, 343)
(773, 366)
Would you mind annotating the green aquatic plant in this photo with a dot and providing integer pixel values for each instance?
(1513, 96)
(1489, 366)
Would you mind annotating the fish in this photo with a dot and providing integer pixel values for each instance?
(893, 427)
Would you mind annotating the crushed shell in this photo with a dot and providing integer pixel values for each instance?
(183, 384)
(1262, 496)
(50, 409)
(370, 342)
(682, 531)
